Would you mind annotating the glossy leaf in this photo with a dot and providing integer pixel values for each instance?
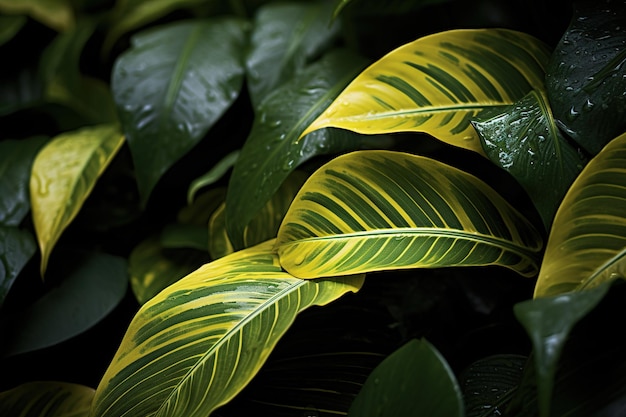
(377, 210)
(47, 398)
(152, 267)
(197, 343)
(549, 321)
(525, 141)
(86, 295)
(16, 159)
(438, 83)
(173, 84)
(56, 14)
(284, 37)
(587, 73)
(16, 248)
(272, 150)
(63, 82)
(129, 15)
(415, 380)
(587, 243)
(63, 175)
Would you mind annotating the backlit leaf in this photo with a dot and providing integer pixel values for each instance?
(376, 210)
(63, 175)
(438, 83)
(587, 243)
(197, 343)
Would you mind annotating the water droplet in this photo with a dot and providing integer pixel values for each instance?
(588, 105)
(288, 164)
(572, 115)
(299, 260)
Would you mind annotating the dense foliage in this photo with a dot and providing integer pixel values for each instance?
(312, 208)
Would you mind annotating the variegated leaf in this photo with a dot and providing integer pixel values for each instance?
(377, 210)
(46, 398)
(587, 243)
(438, 83)
(198, 342)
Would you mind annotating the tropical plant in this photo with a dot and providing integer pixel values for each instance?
(312, 222)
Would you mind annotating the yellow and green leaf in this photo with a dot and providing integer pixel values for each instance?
(587, 243)
(198, 342)
(47, 398)
(438, 83)
(63, 175)
(379, 210)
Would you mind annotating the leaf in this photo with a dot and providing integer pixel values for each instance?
(22, 89)
(284, 37)
(213, 175)
(378, 8)
(10, 26)
(63, 81)
(173, 84)
(438, 83)
(16, 248)
(152, 267)
(525, 141)
(415, 380)
(272, 150)
(378, 210)
(548, 321)
(63, 175)
(197, 343)
(16, 159)
(586, 70)
(86, 295)
(128, 15)
(587, 243)
(57, 14)
(47, 398)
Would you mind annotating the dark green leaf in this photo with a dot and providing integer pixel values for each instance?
(284, 37)
(87, 294)
(415, 381)
(16, 248)
(172, 85)
(548, 321)
(213, 175)
(388, 7)
(9, 26)
(586, 75)
(524, 141)
(273, 151)
(16, 159)
(19, 90)
(185, 236)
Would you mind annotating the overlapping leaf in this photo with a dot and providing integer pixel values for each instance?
(63, 175)
(197, 343)
(587, 243)
(376, 210)
(436, 84)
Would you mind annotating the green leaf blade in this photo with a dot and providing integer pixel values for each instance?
(436, 84)
(374, 210)
(209, 333)
(47, 398)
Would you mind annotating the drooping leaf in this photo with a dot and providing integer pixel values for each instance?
(438, 83)
(9, 26)
(415, 380)
(272, 150)
(548, 322)
(86, 295)
(16, 159)
(200, 341)
(152, 267)
(525, 141)
(56, 14)
(16, 248)
(378, 210)
(173, 84)
(587, 72)
(128, 15)
(63, 81)
(47, 398)
(284, 36)
(587, 243)
(488, 384)
(213, 175)
(63, 175)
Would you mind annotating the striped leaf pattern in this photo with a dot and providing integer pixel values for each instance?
(197, 343)
(46, 398)
(587, 243)
(438, 83)
(376, 210)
